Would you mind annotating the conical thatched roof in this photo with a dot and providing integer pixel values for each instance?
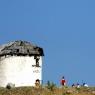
(20, 48)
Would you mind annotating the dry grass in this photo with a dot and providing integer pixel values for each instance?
(46, 91)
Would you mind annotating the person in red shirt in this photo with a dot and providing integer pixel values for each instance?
(63, 81)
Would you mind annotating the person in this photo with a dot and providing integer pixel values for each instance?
(78, 85)
(85, 84)
(63, 81)
(37, 83)
(73, 85)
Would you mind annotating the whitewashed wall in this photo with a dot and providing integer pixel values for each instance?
(19, 70)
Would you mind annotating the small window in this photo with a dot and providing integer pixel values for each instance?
(37, 58)
(37, 62)
(17, 50)
(27, 50)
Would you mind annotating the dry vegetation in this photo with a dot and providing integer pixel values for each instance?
(52, 90)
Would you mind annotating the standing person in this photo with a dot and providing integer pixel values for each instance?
(85, 85)
(63, 81)
(78, 85)
(37, 83)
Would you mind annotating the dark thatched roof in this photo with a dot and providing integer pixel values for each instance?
(20, 48)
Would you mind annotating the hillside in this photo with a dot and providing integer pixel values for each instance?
(48, 91)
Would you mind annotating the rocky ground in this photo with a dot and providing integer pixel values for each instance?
(48, 91)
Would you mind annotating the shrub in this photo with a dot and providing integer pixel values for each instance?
(51, 85)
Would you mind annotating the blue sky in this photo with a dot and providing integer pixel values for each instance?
(64, 28)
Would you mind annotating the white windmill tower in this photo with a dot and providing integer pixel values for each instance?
(20, 63)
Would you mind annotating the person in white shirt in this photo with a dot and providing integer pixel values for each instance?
(85, 84)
